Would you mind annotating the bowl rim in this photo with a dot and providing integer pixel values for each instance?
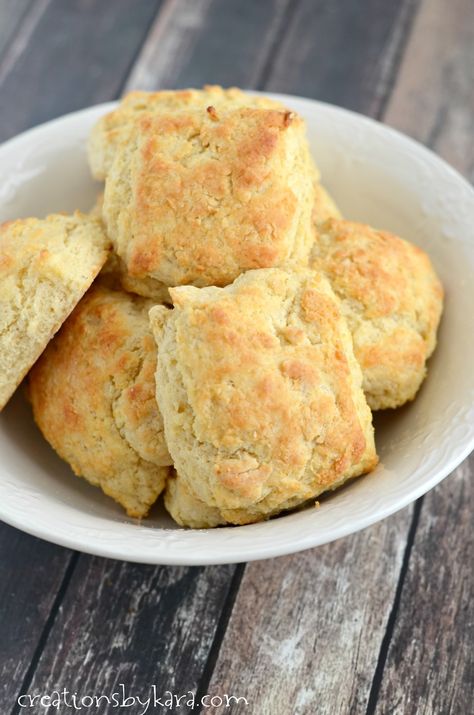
(130, 550)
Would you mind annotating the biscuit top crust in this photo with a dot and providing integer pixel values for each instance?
(59, 247)
(197, 198)
(113, 129)
(379, 275)
(260, 392)
(392, 300)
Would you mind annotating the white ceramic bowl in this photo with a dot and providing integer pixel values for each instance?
(377, 176)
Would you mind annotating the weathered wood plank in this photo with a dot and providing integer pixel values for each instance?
(433, 99)
(305, 631)
(31, 573)
(209, 41)
(345, 52)
(430, 664)
(78, 53)
(133, 624)
(11, 14)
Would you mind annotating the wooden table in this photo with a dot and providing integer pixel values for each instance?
(375, 623)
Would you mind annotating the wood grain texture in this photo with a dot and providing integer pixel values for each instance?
(31, 573)
(433, 99)
(133, 624)
(344, 51)
(78, 53)
(209, 41)
(430, 664)
(305, 630)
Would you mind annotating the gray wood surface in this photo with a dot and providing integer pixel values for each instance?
(430, 667)
(11, 14)
(133, 624)
(344, 51)
(306, 630)
(331, 630)
(433, 100)
(210, 41)
(68, 55)
(31, 575)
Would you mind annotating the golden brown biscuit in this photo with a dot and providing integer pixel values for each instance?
(392, 300)
(113, 129)
(195, 198)
(260, 395)
(46, 266)
(93, 397)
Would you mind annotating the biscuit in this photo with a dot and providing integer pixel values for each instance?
(93, 397)
(197, 199)
(392, 300)
(113, 129)
(260, 395)
(46, 266)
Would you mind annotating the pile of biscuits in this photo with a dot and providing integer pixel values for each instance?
(213, 329)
